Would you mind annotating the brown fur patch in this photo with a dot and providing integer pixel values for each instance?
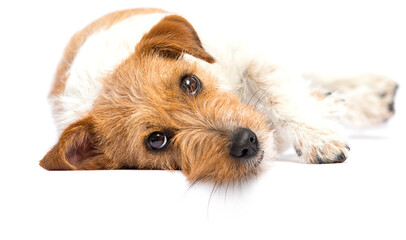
(318, 95)
(172, 37)
(77, 148)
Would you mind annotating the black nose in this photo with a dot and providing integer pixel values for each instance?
(244, 143)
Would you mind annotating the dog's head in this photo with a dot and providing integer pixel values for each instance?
(160, 111)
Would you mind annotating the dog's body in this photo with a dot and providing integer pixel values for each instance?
(142, 89)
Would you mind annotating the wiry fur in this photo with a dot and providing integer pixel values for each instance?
(115, 87)
(90, 65)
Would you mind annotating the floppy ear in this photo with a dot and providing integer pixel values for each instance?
(172, 37)
(76, 149)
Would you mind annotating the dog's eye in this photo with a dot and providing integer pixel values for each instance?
(190, 84)
(157, 140)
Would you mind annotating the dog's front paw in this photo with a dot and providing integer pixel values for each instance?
(322, 148)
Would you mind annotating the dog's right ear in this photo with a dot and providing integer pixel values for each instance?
(172, 37)
(77, 148)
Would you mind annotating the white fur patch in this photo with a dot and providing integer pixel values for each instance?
(100, 55)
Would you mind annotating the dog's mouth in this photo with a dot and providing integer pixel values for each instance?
(260, 156)
(257, 160)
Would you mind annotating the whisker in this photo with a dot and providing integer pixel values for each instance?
(211, 194)
(259, 100)
(225, 194)
(194, 183)
(213, 190)
(249, 101)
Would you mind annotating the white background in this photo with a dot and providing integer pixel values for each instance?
(363, 198)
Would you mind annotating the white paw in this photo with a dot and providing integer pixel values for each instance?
(369, 98)
(322, 147)
(371, 101)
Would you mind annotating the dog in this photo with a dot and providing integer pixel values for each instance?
(142, 89)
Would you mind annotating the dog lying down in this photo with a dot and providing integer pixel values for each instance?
(142, 89)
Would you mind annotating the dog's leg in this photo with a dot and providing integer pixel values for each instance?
(295, 114)
(369, 97)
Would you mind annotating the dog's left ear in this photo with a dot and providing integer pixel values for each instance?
(76, 149)
(172, 37)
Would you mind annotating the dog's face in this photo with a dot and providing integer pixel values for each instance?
(159, 111)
